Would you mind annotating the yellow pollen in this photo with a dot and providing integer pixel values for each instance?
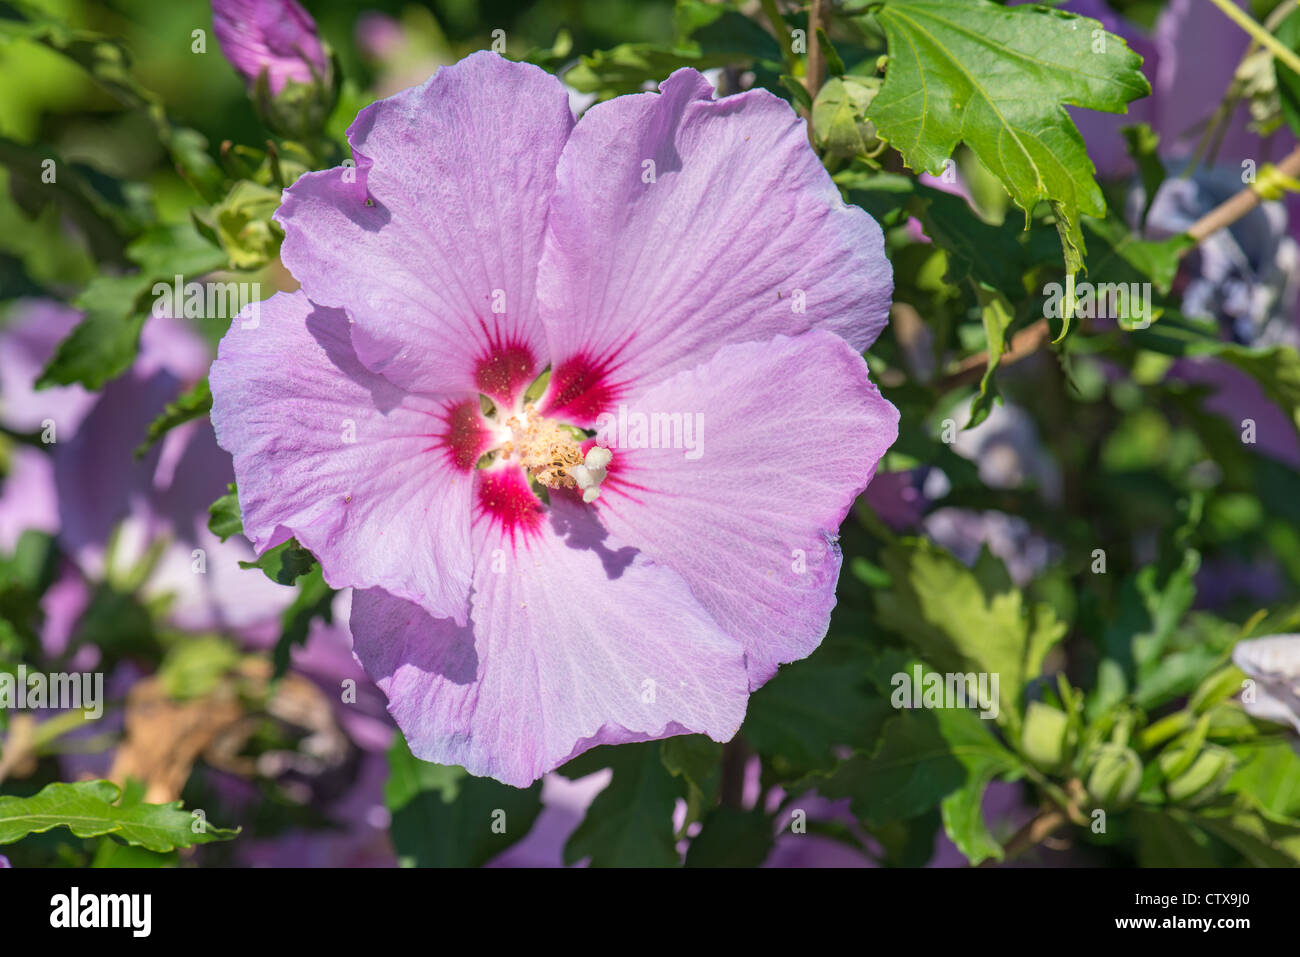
(546, 450)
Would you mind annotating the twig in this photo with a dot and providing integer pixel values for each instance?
(1238, 205)
(816, 56)
(1038, 829)
(1260, 35)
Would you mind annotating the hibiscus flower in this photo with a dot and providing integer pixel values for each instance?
(489, 287)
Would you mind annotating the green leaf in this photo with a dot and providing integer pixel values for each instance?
(285, 563)
(1288, 83)
(224, 519)
(184, 408)
(991, 255)
(1261, 842)
(715, 29)
(628, 67)
(1119, 264)
(105, 343)
(164, 251)
(908, 843)
(1164, 840)
(91, 809)
(799, 719)
(72, 197)
(998, 79)
(446, 817)
(963, 809)
(926, 758)
(1269, 778)
(834, 63)
(798, 92)
(996, 315)
(108, 63)
(630, 823)
(697, 760)
(731, 837)
(961, 619)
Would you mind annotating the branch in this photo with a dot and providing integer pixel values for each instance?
(816, 57)
(1258, 33)
(1041, 827)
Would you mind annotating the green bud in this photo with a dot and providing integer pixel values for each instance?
(1115, 776)
(1218, 686)
(1199, 781)
(1043, 740)
(839, 120)
(244, 227)
(299, 111)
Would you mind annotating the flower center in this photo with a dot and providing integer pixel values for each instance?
(552, 455)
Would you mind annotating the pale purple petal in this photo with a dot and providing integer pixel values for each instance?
(365, 475)
(750, 517)
(439, 273)
(683, 223)
(577, 641)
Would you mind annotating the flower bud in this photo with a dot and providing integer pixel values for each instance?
(274, 46)
(1115, 776)
(1201, 780)
(1043, 740)
(839, 120)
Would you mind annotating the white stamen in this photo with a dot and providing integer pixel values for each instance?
(592, 472)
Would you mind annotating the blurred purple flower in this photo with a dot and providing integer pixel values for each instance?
(1246, 276)
(275, 36)
(379, 36)
(27, 498)
(87, 487)
(1190, 59)
(564, 804)
(33, 330)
